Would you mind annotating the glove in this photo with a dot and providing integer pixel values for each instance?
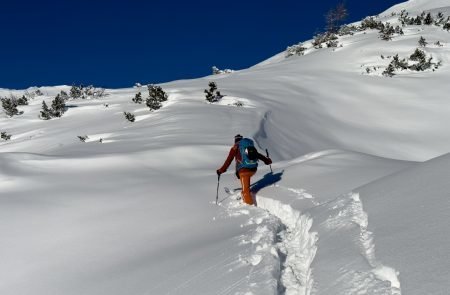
(219, 171)
(268, 161)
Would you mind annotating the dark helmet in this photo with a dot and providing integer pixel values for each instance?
(237, 138)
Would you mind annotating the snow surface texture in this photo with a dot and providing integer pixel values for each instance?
(357, 203)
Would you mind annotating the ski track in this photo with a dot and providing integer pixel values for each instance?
(350, 211)
(283, 248)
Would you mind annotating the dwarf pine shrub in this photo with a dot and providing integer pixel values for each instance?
(157, 93)
(297, 49)
(137, 98)
(5, 136)
(422, 42)
(10, 106)
(212, 95)
(129, 116)
(46, 113)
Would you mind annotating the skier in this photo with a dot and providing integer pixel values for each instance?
(246, 156)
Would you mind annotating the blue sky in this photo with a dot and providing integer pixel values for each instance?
(114, 44)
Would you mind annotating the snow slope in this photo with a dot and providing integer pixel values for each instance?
(357, 202)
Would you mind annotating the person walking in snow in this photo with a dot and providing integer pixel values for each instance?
(246, 156)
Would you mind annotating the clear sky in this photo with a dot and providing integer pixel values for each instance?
(113, 43)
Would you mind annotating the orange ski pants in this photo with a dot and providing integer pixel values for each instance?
(244, 176)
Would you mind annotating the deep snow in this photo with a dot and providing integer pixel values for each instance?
(357, 202)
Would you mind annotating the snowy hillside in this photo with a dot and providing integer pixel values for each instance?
(357, 203)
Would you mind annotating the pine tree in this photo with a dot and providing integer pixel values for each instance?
(157, 93)
(212, 95)
(422, 41)
(5, 136)
(153, 103)
(428, 19)
(390, 71)
(129, 116)
(418, 55)
(58, 106)
(46, 113)
(76, 91)
(22, 101)
(137, 98)
(10, 106)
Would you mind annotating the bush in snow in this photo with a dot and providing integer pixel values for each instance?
(5, 136)
(347, 30)
(447, 26)
(86, 92)
(156, 96)
(76, 91)
(153, 103)
(323, 38)
(157, 93)
(212, 95)
(428, 19)
(216, 71)
(137, 98)
(387, 31)
(58, 106)
(440, 18)
(297, 49)
(438, 43)
(22, 101)
(64, 95)
(10, 106)
(371, 23)
(46, 113)
(422, 42)
(389, 71)
(83, 138)
(129, 116)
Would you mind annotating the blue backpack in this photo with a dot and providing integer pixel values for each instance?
(248, 153)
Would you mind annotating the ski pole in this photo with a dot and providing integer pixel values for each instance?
(217, 194)
(267, 153)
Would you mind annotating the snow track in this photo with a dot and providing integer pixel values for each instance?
(297, 246)
(283, 248)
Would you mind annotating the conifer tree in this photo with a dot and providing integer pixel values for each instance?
(422, 41)
(157, 93)
(10, 106)
(46, 113)
(137, 98)
(129, 116)
(212, 95)
(5, 136)
(58, 106)
(153, 103)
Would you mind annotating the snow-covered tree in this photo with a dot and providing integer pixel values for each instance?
(76, 91)
(22, 101)
(297, 49)
(46, 113)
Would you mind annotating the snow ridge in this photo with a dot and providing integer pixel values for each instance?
(352, 212)
(381, 271)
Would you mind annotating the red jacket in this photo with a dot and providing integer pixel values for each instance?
(236, 154)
